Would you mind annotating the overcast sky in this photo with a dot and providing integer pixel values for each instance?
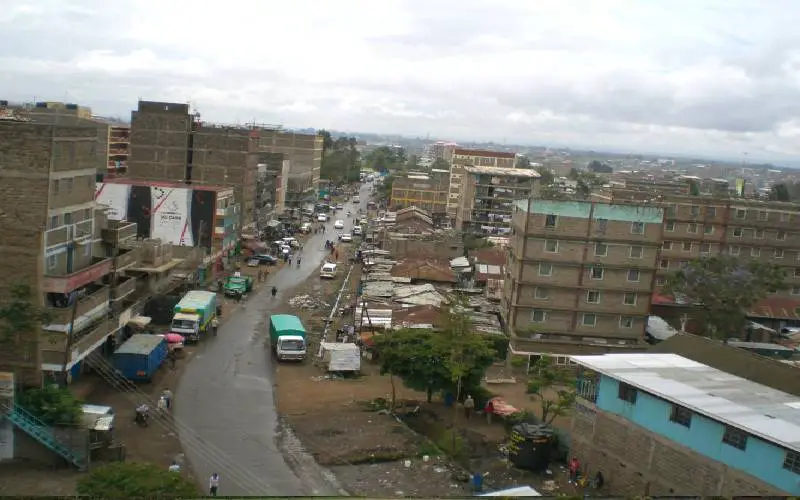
(697, 76)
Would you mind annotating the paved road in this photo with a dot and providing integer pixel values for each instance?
(226, 397)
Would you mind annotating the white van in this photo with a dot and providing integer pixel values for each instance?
(328, 270)
(357, 231)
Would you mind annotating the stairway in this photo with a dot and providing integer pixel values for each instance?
(44, 434)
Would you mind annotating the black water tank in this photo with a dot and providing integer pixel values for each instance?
(531, 446)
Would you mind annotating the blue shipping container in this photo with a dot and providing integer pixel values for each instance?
(140, 357)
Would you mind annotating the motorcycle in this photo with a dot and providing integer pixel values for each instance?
(142, 417)
(274, 292)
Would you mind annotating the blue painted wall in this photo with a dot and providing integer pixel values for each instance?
(760, 459)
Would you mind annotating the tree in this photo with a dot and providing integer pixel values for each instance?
(553, 387)
(52, 405)
(386, 158)
(440, 164)
(20, 317)
(340, 158)
(135, 480)
(600, 167)
(779, 192)
(725, 288)
(547, 176)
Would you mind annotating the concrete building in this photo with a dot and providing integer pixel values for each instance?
(53, 243)
(471, 158)
(441, 150)
(119, 138)
(664, 425)
(426, 192)
(579, 275)
(487, 198)
(304, 152)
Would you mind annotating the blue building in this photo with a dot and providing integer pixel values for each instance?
(664, 425)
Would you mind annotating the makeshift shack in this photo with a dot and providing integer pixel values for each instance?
(340, 357)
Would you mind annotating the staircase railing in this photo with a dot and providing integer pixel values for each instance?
(43, 433)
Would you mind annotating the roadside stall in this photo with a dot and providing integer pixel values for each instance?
(340, 357)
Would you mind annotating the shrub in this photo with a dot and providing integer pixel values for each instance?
(135, 480)
(52, 405)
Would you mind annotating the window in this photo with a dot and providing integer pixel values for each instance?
(602, 225)
(589, 319)
(600, 249)
(633, 275)
(796, 290)
(669, 227)
(627, 393)
(797, 272)
(551, 246)
(777, 253)
(708, 229)
(711, 211)
(780, 235)
(54, 222)
(51, 262)
(54, 187)
(664, 264)
(759, 233)
(791, 461)
(592, 297)
(667, 245)
(763, 215)
(734, 250)
(538, 316)
(629, 299)
(681, 415)
(66, 185)
(687, 246)
(542, 293)
(661, 281)
(691, 228)
(755, 252)
(626, 321)
(637, 228)
(737, 232)
(545, 269)
(705, 248)
(741, 213)
(67, 218)
(735, 437)
(635, 252)
(87, 213)
(695, 210)
(550, 220)
(596, 273)
(786, 216)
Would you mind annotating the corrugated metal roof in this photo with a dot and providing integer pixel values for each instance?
(378, 318)
(757, 409)
(141, 343)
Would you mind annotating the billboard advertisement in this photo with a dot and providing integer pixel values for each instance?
(176, 215)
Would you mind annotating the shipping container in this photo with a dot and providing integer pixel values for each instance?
(141, 356)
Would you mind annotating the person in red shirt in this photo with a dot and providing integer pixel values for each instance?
(574, 468)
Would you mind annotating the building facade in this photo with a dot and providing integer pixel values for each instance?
(471, 158)
(53, 244)
(580, 274)
(427, 193)
(487, 198)
(663, 425)
(119, 139)
(441, 150)
(304, 152)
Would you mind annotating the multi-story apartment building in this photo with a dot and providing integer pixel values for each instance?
(53, 244)
(580, 274)
(664, 425)
(304, 152)
(700, 226)
(487, 197)
(119, 138)
(441, 150)
(471, 158)
(426, 192)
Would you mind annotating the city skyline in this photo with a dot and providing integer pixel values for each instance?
(709, 80)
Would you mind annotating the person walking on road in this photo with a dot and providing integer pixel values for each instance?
(298, 261)
(167, 395)
(469, 407)
(213, 484)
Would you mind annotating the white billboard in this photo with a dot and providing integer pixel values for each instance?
(115, 197)
(170, 218)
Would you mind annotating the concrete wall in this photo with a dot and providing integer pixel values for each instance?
(635, 461)
(159, 142)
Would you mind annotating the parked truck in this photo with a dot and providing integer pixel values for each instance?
(236, 286)
(140, 356)
(287, 336)
(195, 315)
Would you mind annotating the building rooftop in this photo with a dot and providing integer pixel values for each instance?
(507, 172)
(592, 210)
(764, 412)
(484, 153)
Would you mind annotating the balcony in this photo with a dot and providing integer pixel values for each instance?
(127, 258)
(119, 233)
(58, 236)
(125, 287)
(53, 345)
(69, 282)
(95, 296)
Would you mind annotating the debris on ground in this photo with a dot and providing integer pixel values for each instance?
(308, 302)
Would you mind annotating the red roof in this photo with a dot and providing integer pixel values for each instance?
(417, 315)
(491, 256)
(425, 270)
(484, 153)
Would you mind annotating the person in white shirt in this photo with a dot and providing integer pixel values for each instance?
(174, 467)
(213, 484)
(162, 404)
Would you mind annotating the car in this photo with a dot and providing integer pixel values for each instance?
(305, 228)
(339, 224)
(356, 199)
(265, 259)
(346, 237)
(339, 206)
(322, 218)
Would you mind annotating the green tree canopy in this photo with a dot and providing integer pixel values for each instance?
(340, 158)
(600, 167)
(553, 387)
(547, 176)
(725, 288)
(52, 404)
(780, 192)
(386, 158)
(135, 480)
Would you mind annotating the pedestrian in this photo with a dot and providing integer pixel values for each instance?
(469, 406)
(167, 394)
(213, 484)
(290, 260)
(161, 406)
(574, 469)
(244, 297)
(174, 467)
(298, 261)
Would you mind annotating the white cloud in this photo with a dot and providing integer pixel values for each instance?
(719, 76)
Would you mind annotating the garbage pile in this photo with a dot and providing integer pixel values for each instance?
(307, 302)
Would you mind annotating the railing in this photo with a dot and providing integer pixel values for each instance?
(586, 388)
(58, 236)
(118, 232)
(127, 258)
(69, 282)
(86, 339)
(124, 288)
(63, 315)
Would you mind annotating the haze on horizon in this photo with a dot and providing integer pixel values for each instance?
(712, 78)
